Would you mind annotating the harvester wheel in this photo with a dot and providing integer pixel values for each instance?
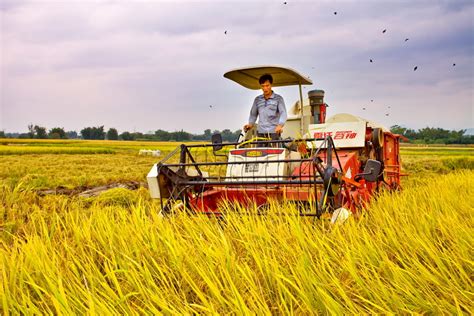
(377, 137)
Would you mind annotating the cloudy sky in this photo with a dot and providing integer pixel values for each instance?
(147, 65)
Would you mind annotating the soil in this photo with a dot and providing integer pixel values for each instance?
(87, 191)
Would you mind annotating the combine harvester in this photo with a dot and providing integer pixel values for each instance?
(332, 165)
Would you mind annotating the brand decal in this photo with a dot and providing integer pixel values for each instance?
(254, 153)
(336, 134)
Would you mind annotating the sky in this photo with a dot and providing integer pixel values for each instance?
(148, 65)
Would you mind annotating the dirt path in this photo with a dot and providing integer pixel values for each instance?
(85, 191)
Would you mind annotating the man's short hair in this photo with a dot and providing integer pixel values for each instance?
(265, 77)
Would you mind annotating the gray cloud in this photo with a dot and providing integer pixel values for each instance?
(150, 65)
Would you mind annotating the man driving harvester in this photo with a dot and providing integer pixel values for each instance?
(270, 108)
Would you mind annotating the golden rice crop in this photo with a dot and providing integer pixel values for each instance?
(410, 252)
(121, 146)
(32, 150)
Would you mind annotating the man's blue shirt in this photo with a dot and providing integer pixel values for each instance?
(271, 112)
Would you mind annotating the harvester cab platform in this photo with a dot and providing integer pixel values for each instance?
(330, 165)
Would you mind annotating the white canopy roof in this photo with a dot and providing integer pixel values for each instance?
(282, 76)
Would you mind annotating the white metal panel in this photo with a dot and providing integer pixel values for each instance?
(256, 166)
(345, 134)
(152, 179)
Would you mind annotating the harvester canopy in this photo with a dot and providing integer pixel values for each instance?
(282, 76)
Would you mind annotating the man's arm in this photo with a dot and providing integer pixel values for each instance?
(253, 116)
(283, 116)
(253, 112)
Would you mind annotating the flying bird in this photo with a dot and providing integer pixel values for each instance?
(386, 114)
(363, 109)
(371, 61)
(210, 106)
(284, 2)
(454, 65)
(406, 39)
(225, 32)
(371, 100)
(335, 12)
(414, 69)
(389, 106)
(384, 31)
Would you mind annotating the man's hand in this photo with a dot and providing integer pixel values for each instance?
(279, 129)
(247, 127)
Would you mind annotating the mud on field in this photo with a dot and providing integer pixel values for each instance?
(88, 191)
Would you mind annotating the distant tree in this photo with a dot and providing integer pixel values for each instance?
(57, 133)
(207, 134)
(112, 134)
(71, 134)
(126, 136)
(397, 129)
(2, 134)
(137, 135)
(180, 136)
(86, 133)
(31, 131)
(431, 135)
(93, 133)
(40, 132)
(228, 136)
(162, 135)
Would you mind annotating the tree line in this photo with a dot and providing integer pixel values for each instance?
(99, 133)
(427, 135)
(432, 135)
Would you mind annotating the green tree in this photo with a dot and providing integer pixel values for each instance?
(162, 135)
(40, 132)
(180, 136)
(112, 134)
(71, 134)
(31, 131)
(207, 134)
(93, 133)
(57, 133)
(2, 134)
(127, 136)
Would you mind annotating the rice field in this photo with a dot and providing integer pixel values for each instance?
(410, 252)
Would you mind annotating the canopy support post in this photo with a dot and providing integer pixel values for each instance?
(301, 112)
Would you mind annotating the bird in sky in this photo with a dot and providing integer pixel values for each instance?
(414, 69)
(363, 109)
(371, 61)
(384, 31)
(386, 114)
(225, 32)
(284, 2)
(406, 39)
(454, 65)
(335, 12)
(371, 100)
(210, 106)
